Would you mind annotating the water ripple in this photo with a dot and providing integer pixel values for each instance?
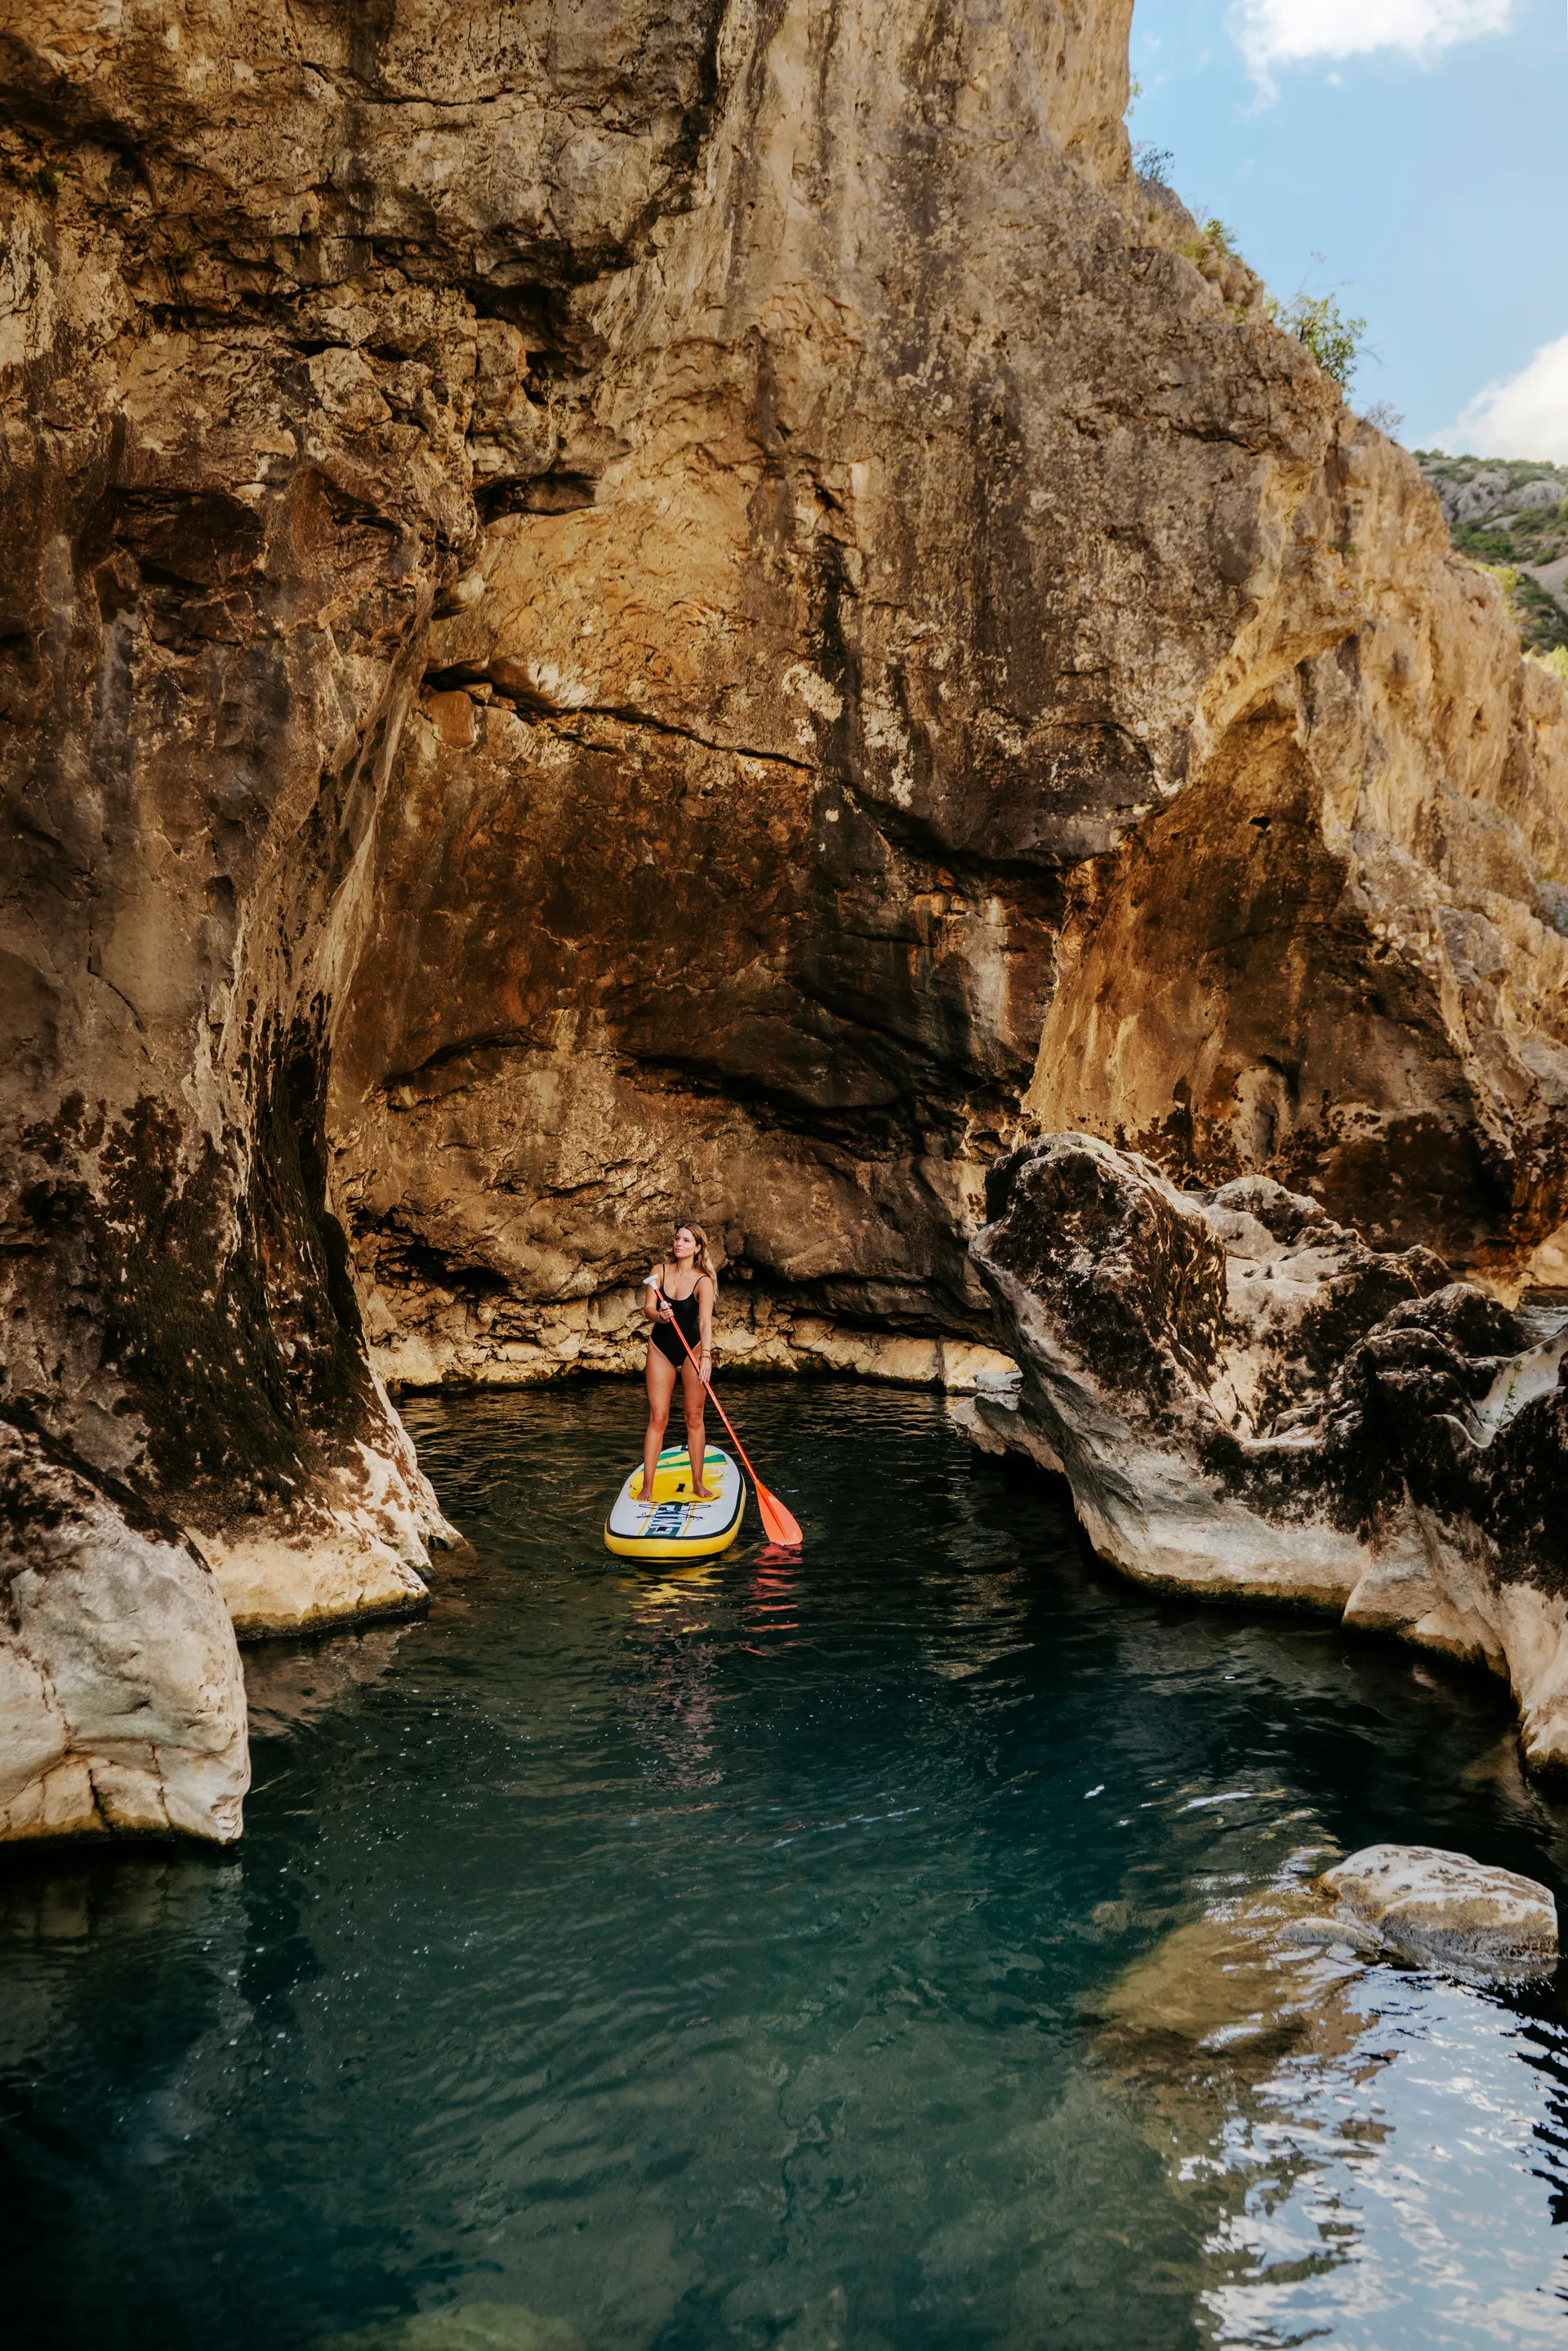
(806, 1955)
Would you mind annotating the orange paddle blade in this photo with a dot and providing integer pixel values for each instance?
(781, 1526)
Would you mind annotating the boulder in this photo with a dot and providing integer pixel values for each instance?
(1443, 1910)
(1248, 1401)
(1272, 1966)
(1482, 495)
(1256, 1971)
(122, 1698)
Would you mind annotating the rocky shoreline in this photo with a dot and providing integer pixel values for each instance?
(607, 1337)
(1250, 1404)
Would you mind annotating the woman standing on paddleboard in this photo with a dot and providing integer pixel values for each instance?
(678, 1298)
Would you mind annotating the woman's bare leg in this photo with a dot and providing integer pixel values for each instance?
(661, 1377)
(692, 1393)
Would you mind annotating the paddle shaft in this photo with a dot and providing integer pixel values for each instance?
(717, 1405)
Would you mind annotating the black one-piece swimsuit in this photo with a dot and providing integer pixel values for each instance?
(688, 1318)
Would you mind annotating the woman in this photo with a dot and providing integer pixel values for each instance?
(679, 1298)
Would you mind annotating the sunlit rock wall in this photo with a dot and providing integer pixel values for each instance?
(1338, 956)
(936, 663)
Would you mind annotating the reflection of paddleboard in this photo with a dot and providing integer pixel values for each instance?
(673, 1526)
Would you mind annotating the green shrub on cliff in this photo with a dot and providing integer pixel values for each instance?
(1212, 251)
(1543, 623)
(1508, 578)
(1212, 246)
(1317, 320)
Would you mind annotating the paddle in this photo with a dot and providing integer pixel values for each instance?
(779, 1524)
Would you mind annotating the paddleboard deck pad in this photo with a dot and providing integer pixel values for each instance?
(673, 1525)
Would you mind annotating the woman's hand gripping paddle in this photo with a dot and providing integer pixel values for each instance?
(778, 1522)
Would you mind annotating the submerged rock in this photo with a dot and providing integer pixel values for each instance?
(1443, 1910)
(289, 1683)
(1250, 2046)
(1262, 1970)
(1270, 1966)
(471, 2326)
(1248, 1401)
(122, 1699)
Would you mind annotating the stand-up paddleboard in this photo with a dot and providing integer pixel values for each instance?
(673, 1526)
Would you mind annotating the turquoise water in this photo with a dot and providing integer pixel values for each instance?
(763, 1957)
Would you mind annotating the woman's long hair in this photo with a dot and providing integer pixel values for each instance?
(702, 1261)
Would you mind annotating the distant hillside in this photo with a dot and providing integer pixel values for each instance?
(1511, 514)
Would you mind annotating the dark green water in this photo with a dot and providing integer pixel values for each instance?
(715, 1960)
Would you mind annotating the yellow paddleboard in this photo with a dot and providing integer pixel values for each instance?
(673, 1526)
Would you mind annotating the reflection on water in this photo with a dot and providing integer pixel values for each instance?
(673, 1689)
(286, 1683)
(900, 1946)
(1388, 2192)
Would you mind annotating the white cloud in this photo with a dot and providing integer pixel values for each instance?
(1274, 33)
(1525, 417)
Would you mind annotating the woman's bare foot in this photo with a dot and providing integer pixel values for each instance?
(704, 1494)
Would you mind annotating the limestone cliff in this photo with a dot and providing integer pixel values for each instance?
(970, 662)
(675, 606)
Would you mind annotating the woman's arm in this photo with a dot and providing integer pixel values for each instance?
(704, 1322)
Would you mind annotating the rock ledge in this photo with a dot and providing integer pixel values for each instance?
(1250, 1402)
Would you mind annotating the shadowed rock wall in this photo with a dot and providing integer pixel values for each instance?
(229, 523)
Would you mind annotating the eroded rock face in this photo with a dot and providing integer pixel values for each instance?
(1248, 1400)
(122, 1699)
(1336, 957)
(727, 868)
(235, 469)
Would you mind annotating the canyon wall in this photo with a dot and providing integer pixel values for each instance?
(947, 665)
(623, 611)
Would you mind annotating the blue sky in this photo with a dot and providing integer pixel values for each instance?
(1421, 147)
